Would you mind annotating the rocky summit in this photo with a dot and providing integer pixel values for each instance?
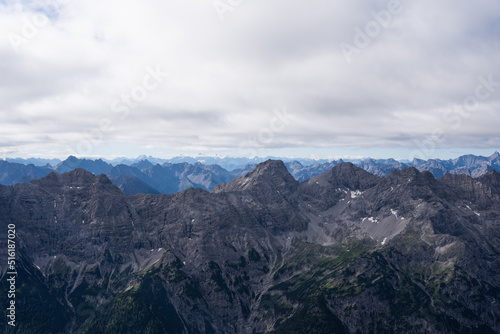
(342, 252)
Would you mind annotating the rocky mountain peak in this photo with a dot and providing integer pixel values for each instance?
(80, 174)
(143, 164)
(326, 190)
(270, 166)
(412, 174)
(492, 180)
(492, 174)
(71, 158)
(413, 181)
(348, 175)
(484, 191)
(271, 173)
(94, 166)
(78, 178)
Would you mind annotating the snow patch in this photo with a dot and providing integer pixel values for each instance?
(384, 241)
(355, 194)
(477, 213)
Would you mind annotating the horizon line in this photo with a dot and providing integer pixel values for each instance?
(216, 156)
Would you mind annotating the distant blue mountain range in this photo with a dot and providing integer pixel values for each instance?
(154, 175)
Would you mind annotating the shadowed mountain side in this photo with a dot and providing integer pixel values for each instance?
(169, 178)
(345, 251)
(325, 190)
(133, 185)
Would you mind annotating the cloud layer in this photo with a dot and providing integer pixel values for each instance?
(79, 77)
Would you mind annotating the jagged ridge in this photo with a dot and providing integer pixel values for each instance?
(263, 253)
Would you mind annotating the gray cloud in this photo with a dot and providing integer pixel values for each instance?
(227, 77)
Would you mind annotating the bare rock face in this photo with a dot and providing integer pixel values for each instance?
(270, 176)
(76, 212)
(327, 189)
(343, 252)
(271, 189)
(133, 185)
(302, 173)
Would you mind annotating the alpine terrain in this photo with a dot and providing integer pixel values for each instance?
(345, 251)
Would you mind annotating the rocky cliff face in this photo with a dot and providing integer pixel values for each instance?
(344, 252)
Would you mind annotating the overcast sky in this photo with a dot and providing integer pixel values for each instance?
(314, 78)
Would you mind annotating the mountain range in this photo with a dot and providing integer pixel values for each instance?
(345, 251)
(140, 177)
(153, 176)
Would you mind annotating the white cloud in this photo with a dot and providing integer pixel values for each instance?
(227, 77)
